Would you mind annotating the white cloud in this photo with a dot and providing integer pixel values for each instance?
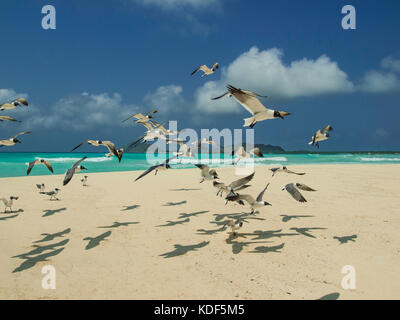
(166, 99)
(382, 81)
(80, 112)
(266, 73)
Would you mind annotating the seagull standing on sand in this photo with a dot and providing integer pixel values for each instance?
(207, 71)
(207, 174)
(84, 181)
(320, 135)
(7, 118)
(295, 193)
(75, 169)
(241, 153)
(249, 100)
(286, 170)
(39, 161)
(13, 104)
(40, 187)
(8, 203)
(254, 203)
(13, 140)
(162, 166)
(108, 144)
(52, 194)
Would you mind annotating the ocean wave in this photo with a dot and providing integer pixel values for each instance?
(379, 159)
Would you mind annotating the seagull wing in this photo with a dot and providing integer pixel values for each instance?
(304, 187)
(249, 102)
(295, 193)
(258, 152)
(76, 164)
(111, 147)
(30, 167)
(79, 145)
(204, 168)
(147, 171)
(239, 183)
(8, 119)
(68, 176)
(221, 96)
(260, 196)
(20, 134)
(48, 165)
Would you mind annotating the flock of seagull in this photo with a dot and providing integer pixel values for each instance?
(248, 99)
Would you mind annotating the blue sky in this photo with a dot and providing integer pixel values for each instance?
(107, 59)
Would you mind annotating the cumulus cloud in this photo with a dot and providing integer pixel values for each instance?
(266, 73)
(80, 112)
(166, 99)
(384, 80)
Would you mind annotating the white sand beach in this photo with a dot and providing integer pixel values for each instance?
(286, 251)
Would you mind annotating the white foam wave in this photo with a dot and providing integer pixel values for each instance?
(379, 159)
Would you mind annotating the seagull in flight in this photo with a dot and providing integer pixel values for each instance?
(13, 140)
(320, 135)
(13, 104)
(293, 190)
(39, 161)
(235, 186)
(286, 170)
(140, 118)
(206, 70)
(249, 100)
(241, 153)
(254, 203)
(7, 118)
(162, 166)
(108, 144)
(77, 167)
(207, 174)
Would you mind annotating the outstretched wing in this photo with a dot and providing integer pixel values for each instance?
(304, 187)
(260, 196)
(76, 164)
(20, 134)
(295, 193)
(8, 119)
(248, 101)
(68, 176)
(147, 172)
(79, 145)
(30, 167)
(48, 165)
(221, 96)
(239, 183)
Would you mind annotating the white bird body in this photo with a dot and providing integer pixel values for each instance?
(8, 203)
(206, 70)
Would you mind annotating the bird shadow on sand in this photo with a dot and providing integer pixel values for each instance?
(287, 218)
(8, 217)
(209, 232)
(173, 204)
(32, 261)
(263, 235)
(306, 231)
(94, 242)
(12, 211)
(52, 236)
(49, 212)
(331, 296)
(40, 253)
(194, 214)
(129, 208)
(181, 250)
(237, 216)
(238, 246)
(346, 239)
(264, 249)
(174, 223)
(118, 225)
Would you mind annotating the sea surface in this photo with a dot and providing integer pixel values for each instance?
(15, 164)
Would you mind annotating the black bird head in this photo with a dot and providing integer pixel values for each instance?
(15, 140)
(82, 168)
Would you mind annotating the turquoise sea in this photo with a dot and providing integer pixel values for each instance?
(14, 164)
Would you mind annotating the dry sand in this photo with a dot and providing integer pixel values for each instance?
(271, 260)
